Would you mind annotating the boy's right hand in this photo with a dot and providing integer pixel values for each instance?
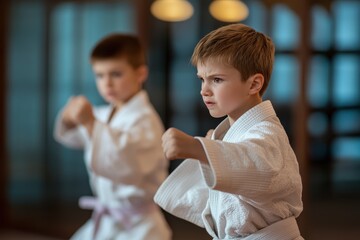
(177, 144)
(78, 110)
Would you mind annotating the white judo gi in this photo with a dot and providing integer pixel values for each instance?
(126, 165)
(251, 188)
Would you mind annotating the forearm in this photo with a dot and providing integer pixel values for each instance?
(67, 135)
(68, 124)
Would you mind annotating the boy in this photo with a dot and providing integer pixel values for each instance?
(122, 145)
(244, 182)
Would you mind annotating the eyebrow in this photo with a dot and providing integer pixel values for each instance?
(213, 75)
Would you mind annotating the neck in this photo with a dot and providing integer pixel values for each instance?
(253, 101)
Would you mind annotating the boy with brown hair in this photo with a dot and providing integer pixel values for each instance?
(122, 145)
(243, 181)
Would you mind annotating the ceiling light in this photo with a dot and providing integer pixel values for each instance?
(172, 10)
(228, 10)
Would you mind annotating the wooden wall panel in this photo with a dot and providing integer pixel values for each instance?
(4, 9)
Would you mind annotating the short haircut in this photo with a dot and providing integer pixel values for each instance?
(120, 45)
(239, 46)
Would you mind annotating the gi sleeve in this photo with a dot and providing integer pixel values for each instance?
(262, 165)
(73, 138)
(184, 193)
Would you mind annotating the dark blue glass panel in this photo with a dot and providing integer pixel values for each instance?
(347, 19)
(286, 28)
(346, 121)
(283, 87)
(346, 149)
(318, 82)
(258, 14)
(321, 35)
(346, 80)
(318, 124)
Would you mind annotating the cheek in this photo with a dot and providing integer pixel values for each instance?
(224, 94)
(99, 86)
(117, 84)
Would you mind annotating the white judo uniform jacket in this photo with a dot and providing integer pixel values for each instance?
(251, 188)
(126, 166)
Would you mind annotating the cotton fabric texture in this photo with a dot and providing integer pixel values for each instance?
(251, 183)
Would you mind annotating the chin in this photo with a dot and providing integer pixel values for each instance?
(110, 101)
(216, 115)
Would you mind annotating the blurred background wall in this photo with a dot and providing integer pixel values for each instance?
(315, 88)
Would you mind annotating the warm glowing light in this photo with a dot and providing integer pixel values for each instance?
(228, 10)
(172, 10)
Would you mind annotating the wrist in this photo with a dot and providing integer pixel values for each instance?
(199, 152)
(68, 124)
(89, 125)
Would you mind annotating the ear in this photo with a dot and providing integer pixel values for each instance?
(143, 73)
(256, 83)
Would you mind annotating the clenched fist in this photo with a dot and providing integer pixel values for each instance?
(78, 110)
(177, 144)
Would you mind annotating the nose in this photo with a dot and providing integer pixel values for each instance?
(205, 90)
(107, 81)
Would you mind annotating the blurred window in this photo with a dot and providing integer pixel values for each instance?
(321, 35)
(286, 28)
(346, 80)
(284, 83)
(318, 83)
(346, 20)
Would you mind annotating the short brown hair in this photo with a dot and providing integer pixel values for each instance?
(120, 45)
(240, 46)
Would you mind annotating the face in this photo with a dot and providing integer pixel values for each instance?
(117, 81)
(223, 91)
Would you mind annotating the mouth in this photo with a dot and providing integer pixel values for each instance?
(209, 104)
(110, 94)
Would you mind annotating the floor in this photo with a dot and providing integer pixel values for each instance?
(331, 219)
(328, 215)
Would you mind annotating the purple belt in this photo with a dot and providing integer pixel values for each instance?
(121, 215)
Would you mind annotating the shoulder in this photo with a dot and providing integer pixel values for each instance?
(141, 107)
(268, 131)
(268, 126)
(101, 111)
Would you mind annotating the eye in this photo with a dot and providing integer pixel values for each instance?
(217, 80)
(98, 76)
(116, 74)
